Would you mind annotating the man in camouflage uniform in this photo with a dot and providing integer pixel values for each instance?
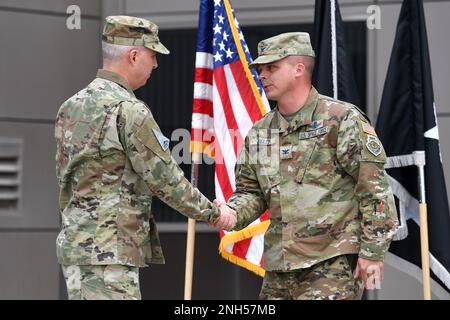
(111, 158)
(316, 163)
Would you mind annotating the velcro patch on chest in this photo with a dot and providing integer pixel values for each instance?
(265, 141)
(286, 152)
(313, 133)
(315, 125)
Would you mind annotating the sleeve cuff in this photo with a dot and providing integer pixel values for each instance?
(371, 252)
(213, 214)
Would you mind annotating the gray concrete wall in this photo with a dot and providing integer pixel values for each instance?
(42, 63)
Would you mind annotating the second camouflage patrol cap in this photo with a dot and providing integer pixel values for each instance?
(132, 31)
(283, 45)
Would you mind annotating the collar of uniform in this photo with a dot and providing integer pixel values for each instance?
(303, 117)
(114, 77)
(279, 122)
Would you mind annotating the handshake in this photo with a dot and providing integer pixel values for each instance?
(227, 219)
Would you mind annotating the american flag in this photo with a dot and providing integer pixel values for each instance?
(228, 99)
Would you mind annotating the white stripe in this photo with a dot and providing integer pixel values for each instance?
(230, 247)
(400, 161)
(202, 91)
(333, 48)
(204, 60)
(240, 112)
(265, 102)
(223, 139)
(440, 271)
(408, 205)
(202, 121)
(255, 250)
(219, 196)
(255, 222)
(219, 193)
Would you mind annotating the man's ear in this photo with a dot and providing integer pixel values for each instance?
(132, 56)
(300, 69)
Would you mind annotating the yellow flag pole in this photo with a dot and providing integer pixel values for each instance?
(190, 243)
(420, 163)
(425, 251)
(189, 270)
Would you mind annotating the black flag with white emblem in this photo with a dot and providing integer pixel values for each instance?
(406, 123)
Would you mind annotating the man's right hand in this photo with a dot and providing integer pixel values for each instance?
(227, 219)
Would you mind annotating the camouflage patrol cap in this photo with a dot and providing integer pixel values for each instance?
(132, 31)
(283, 45)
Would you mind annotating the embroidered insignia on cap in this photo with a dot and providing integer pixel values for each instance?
(163, 141)
(262, 49)
(373, 145)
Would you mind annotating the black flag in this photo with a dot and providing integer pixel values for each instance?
(333, 71)
(407, 123)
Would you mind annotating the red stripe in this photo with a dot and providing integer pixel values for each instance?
(265, 216)
(204, 75)
(381, 207)
(241, 248)
(245, 90)
(222, 173)
(203, 106)
(201, 135)
(222, 88)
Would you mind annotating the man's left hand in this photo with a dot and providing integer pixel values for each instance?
(371, 272)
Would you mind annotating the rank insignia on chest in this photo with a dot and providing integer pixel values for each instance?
(373, 145)
(313, 133)
(315, 125)
(163, 141)
(286, 152)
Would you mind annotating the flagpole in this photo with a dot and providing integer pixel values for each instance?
(333, 47)
(190, 243)
(425, 253)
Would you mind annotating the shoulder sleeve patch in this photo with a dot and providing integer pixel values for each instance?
(149, 135)
(163, 141)
(367, 128)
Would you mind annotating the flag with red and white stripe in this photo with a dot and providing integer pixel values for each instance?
(228, 100)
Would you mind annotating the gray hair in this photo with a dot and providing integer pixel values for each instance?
(114, 52)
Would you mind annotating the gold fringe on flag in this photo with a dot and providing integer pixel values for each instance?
(237, 236)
